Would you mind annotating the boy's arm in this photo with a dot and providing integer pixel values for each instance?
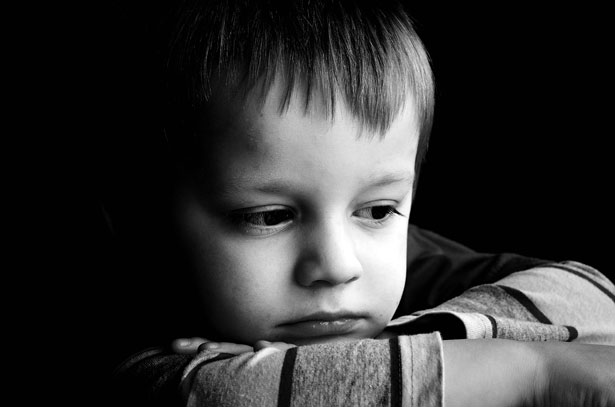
(503, 296)
(565, 301)
(400, 371)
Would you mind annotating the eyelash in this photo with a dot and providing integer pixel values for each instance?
(388, 212)
(256, 223)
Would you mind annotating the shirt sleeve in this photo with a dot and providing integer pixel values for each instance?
(562, 301)
(466, 294)
(401, 371)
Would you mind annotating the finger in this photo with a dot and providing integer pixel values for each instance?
(187, 345)
(226, 347)
(275, 345)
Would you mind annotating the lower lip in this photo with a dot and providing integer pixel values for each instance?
(316, 328)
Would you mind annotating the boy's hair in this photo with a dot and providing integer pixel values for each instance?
(367, 53)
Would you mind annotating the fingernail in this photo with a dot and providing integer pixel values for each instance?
(212, 345)
(183, 342)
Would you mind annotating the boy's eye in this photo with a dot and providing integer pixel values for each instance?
(262, 222)
(267, 218)
(377, 214)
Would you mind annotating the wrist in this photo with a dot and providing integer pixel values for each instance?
(489, 372)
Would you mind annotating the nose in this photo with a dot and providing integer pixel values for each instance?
(329, 256)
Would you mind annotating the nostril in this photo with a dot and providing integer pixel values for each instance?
(350, 280)
(320, 284)
(325, 282)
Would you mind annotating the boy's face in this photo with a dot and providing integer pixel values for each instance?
(296, 227)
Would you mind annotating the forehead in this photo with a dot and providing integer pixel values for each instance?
(254, 138)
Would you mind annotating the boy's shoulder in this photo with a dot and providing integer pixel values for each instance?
(439, 268)
(426, 244)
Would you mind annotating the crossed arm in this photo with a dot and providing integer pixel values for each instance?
(542, 335)
(478, 373)
(546, 340)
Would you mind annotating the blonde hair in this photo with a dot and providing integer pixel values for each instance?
(366, 52)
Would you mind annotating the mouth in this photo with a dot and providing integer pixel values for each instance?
(322, 325)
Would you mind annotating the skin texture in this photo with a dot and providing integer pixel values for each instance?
(294, 213)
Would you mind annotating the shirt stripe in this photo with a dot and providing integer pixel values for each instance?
(396, 374)
(579, 274)
(572, 333)
(286, 378)
(494, 326)
(527, 303)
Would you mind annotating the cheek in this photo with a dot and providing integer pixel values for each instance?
(384, 263)
(224, 272)
(241, 287)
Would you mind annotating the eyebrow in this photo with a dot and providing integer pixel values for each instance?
(276, 186)
(385, 179)
(374, 181)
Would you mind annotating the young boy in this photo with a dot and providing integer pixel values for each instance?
(298, 129)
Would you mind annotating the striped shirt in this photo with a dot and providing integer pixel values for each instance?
(452, 293)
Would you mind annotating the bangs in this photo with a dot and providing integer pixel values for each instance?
(370, 57)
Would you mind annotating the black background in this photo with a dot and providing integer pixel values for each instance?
(520, 158)
(519, 161)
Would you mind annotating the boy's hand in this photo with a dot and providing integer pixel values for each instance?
(194, 345)
(508, 373)
(191, 346)
(575, 375)
(188, 346)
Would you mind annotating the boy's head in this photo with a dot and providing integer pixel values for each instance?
(299, 127)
